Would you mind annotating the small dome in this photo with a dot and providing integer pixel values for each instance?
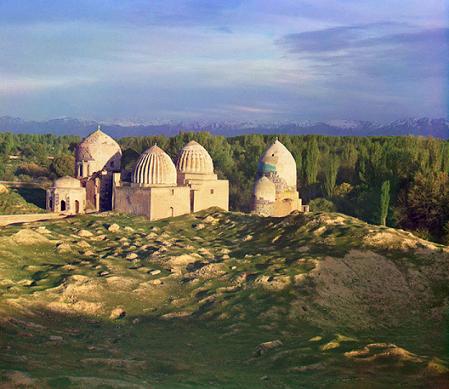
(264, 189)
(98, 147)
(194, 158)
(278, 159)
(67, 182)
(154, 167)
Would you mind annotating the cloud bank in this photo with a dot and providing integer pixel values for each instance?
(234, 59)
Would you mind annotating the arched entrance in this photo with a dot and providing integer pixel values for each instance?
(77, 206)
(63, 206)
(171, 212)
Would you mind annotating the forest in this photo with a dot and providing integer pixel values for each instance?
(400, 182)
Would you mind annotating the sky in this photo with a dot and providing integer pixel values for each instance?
(141, 61)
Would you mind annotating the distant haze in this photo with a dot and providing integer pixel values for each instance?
(231, 60)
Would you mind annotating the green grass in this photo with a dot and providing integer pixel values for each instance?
(21, 201)
(228, 300)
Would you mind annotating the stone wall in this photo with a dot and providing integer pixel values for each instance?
(262, 207)
(156, 202)
(211, 194)
(169, 201)
(66, 200)
(286, 203)
(135, 201)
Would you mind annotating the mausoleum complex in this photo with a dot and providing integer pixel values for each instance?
(159, 188)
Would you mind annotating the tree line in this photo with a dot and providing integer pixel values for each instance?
(398, 181)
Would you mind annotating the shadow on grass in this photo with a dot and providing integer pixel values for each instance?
(34, 196)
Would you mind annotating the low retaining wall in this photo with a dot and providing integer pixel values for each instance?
(28, 218)
(23, 184)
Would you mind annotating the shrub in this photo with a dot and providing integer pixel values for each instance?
(322, 205)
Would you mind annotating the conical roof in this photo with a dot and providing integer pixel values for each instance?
(194, 158)
(154, 167)
(278, 159)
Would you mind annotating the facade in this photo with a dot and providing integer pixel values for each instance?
(275, 191)
(97, 158)
(195, 169)
(67, 195)
(159, 189)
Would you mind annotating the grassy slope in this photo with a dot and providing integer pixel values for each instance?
(14, 203)
(227, 282)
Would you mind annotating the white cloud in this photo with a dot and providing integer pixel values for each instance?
(20, 85)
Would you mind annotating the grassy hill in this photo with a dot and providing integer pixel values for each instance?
(222, 300)
(21, 201)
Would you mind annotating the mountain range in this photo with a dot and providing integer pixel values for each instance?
(424, 126)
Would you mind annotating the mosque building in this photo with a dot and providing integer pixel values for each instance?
(158, 188)
(275, 191)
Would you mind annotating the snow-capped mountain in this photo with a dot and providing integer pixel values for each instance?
(438, 128)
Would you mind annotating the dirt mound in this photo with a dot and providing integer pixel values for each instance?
(28, 237)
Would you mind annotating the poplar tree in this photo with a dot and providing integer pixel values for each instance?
(330, 176)
(384, 202)
(311, 162)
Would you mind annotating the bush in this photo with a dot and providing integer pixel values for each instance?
(322, 205)
(31, 169)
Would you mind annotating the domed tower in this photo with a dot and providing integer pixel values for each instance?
(154, 167)
(278, 162)
(67, 195)
(153, 191)
(95, 153)
(97, 157)
(264, 196)
(275, 192)
(195, 169)
(194, 159)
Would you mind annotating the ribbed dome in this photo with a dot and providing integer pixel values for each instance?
(98, 147)
(278, 159)
(67, 182)
(264, 189)
(154, 167)
(194, 158)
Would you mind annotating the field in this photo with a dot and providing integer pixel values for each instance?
(221, 300)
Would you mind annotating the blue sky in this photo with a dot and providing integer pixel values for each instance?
(136, 60)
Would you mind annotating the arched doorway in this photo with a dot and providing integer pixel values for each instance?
(171, 212)
(77, 206)
(63, 206)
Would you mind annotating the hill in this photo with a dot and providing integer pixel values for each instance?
(222, 300)
(12, 202)
(435, 127)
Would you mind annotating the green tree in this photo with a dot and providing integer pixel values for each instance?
(311, 160)
(384, 202)
(63, 165)
(330, 176)
(322, 205)
(425, 204)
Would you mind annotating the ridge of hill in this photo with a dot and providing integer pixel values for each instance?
(224, 300)
(424, 126)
